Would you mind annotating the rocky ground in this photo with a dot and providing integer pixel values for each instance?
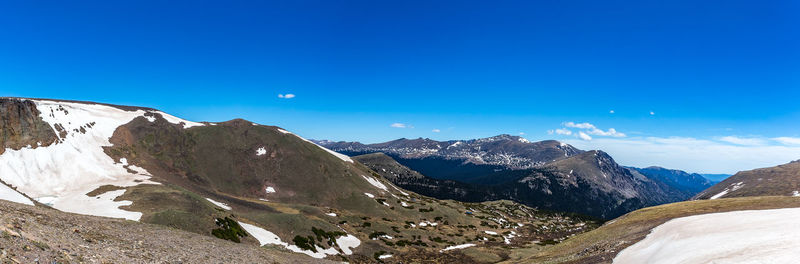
(41, 235)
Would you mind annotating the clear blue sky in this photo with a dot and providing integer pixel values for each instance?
(716, 71)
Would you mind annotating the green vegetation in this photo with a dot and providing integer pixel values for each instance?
(376, 234)
(306, 243)
(330, 236)
(228, 230)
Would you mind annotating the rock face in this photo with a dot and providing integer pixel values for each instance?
(782, 180)
(21, 126)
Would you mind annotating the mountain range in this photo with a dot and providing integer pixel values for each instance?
(547, 174)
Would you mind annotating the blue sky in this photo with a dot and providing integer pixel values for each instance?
(718, 76)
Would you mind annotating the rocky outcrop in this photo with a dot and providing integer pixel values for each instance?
(21, 126)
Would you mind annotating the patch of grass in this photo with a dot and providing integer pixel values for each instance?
(329, 235)
(547, 242)
(228, 230)
(376, 234)
(306, 243)
(103, 189)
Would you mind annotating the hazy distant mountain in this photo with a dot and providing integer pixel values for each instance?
(782, 180)
(688, 183)
(715, 178)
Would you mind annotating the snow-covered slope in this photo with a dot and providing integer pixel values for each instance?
(61, 174)
(9, 194)
(757, 236)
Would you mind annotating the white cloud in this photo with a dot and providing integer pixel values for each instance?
(398, 125)
(436, 130)
(563, 131)
(652, 113)
(584, 136)
(579, 125)
(787, 140)
(593, 130)
(286, 96)
(611, 112)
(693, 155)
(743, 141)
(521, 133)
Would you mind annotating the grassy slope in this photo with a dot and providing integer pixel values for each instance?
(219, 162)
(781, 180)
(602, 244)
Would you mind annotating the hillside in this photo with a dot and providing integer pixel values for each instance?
(782, 180)
(283, 191)
(29, 233)
(603, 244)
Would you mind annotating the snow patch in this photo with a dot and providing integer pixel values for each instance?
(399, 190)
(796, 193)
(8, 194)
(457, 247)
(347, 243)
(331, 214)
(62, 173)
(753, 236)
(369, 195)
(261, 151)
(385, 256)
(264, 237)
(732, 187)
(490, 232)
(269, 189)
(375, 182)
(219, 204)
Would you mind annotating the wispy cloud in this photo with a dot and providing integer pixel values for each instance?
(743, 141)
(286, 96)
(787, 140)
(436, 130)
(697, 155)
(398, 125)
